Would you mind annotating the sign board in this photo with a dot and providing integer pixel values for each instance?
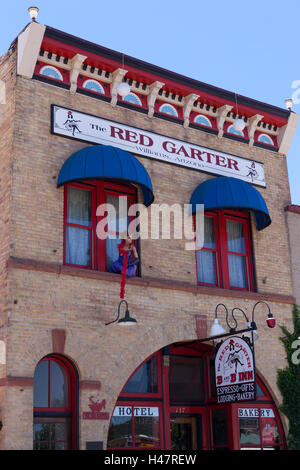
(256, 412)
(82, 126)
(235, 373)
(141, 411)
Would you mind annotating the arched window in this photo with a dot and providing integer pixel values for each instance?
(93, 85)
(232, 130)
(202, 120)
(132, 98)
(168, 109)
(55, 404)
(170, 402)
(265, 139)
(51, 72)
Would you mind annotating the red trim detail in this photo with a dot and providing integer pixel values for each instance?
(99, 191)
(221, 251)
(66, 50)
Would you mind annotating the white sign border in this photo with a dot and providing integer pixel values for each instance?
(186, 162)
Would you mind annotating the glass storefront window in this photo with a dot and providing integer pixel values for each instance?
(145, 379)
(120, 432)
(186, 379)
(143, 431)
(258, 428)
(249, 431)
(219, 428)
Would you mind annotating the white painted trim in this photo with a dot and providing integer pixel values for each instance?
(187, 107)
(76, 64)
(29, 44)
(153, 92)
(117, 77)
(286, 133)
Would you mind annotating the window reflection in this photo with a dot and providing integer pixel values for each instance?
(145, 379)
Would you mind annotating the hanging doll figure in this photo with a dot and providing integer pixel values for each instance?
(126, 248)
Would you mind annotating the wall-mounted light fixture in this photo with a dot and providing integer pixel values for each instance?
(217, 331)
(127, 320)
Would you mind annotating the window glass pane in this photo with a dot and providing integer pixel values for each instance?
(79, 206)
(235, 236)
(41, 381)
(120, 431)
(58, 386)
(249, 431)
(50, 436)
(237, 272)
(117, 222)
(219, 427)
(206, 267)
(77, 246)
(146, 427)
(186, 379)
(117, 213)
(270, 433)
(59, 436)
(209, 233)
(112, 251)
(144, 380)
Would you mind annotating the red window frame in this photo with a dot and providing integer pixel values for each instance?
(157, 394)
(99, 191)
(140, 404)
(55, 414)
(221, 251)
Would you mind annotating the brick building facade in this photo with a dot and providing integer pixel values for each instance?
(54, 313)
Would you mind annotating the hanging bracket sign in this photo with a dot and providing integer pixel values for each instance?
(85, 127)
(235, 371)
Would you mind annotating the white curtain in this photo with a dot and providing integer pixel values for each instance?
(236, 244)
(78, 239)
(206, 259)
(117, 222)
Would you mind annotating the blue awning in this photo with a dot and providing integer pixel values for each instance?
(231, 193)
(104, 162)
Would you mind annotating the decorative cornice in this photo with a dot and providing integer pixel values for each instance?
(252, 126)
(187, 107)
(221, 117)
(117, 77)
(75, 65)
(153, 92)
(147, 68)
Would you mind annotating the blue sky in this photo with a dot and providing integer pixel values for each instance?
(251, 48)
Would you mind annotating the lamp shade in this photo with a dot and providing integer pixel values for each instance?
(127, 320)
(123, 89)
(239, 125)
(216, 329)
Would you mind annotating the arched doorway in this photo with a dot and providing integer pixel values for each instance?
(170, 403)
(55, 404)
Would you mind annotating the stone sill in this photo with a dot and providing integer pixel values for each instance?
(32, 265)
